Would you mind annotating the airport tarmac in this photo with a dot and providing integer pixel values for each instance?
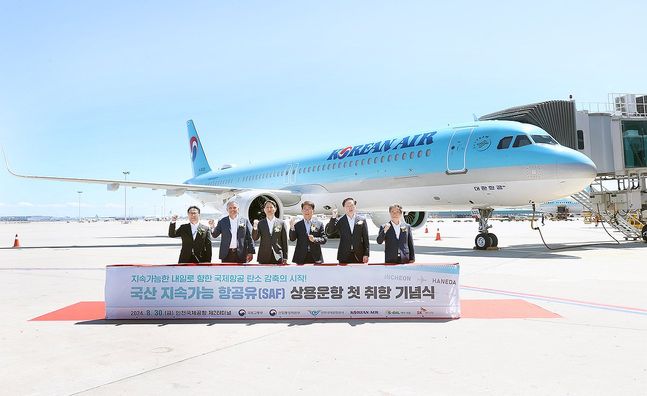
(596, 344)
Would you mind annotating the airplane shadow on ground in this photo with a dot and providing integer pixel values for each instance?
(529, 251)
(251, 322)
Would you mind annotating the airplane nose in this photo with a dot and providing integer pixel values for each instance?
(574, 165)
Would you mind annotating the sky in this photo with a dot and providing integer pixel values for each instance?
(92, 89)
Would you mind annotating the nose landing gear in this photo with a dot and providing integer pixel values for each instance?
(485, 239)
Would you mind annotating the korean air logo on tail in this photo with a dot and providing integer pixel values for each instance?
(193, 146)
(421, 139)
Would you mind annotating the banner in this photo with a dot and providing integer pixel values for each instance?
(282, 292)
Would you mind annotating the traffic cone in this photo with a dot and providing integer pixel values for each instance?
(16, 242)
(438, 234)
(426, 229)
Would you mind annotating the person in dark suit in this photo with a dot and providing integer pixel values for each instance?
(273, 248)
(309, 234)
(236, 245)
(196, 241)
(398, 248)
(353, 234)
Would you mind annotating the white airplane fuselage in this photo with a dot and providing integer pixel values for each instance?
(455, 168)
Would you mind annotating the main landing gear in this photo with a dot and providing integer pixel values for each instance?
(485, 239)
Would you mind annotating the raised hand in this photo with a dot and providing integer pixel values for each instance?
(212, 223)
(293, 220)
(387, 226)
(256, 224)
(173, 218)
(334, 213)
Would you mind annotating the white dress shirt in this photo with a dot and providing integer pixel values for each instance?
(396, 228)
(194, 229)
(351, 223)
(233, 224)
(270, 223)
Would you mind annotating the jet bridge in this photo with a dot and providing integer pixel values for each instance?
(614, 135)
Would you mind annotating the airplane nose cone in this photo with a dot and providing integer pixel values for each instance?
(577, 166)
(575, 170)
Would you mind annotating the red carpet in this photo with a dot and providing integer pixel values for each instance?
(470, 309)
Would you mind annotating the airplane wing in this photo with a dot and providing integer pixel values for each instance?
(172, 189)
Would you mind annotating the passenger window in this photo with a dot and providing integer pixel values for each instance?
(521, 140)
(419, 153)
(428, 152)
(504, 143)
(397, 156)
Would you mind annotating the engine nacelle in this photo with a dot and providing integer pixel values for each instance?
(416, 220)
(250, 204)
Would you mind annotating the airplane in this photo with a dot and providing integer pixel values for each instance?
(481, 165)
(563, 206)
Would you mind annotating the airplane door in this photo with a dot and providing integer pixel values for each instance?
(291, 174)
(457, 151)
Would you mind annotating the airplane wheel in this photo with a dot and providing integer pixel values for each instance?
(482, 241)
(644, 232)
(495, 240)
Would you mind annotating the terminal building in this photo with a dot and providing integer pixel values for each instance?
(614, 135)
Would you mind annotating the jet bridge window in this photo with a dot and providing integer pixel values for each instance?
(521, 140)
(545, 139)
(504, 143)
(634, 142)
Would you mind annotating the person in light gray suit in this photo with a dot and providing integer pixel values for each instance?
(236, 245)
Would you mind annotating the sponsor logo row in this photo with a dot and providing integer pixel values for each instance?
(282, 313)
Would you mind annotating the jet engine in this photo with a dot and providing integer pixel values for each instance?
(417, 220)
(250, 204)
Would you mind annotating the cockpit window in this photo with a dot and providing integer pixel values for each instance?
(521, 140)
(504, 143)
(546, 139)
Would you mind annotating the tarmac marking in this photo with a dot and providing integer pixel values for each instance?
(470, 309)
(588, 304)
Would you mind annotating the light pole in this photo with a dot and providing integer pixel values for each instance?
(79, 192)
(126, 173)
